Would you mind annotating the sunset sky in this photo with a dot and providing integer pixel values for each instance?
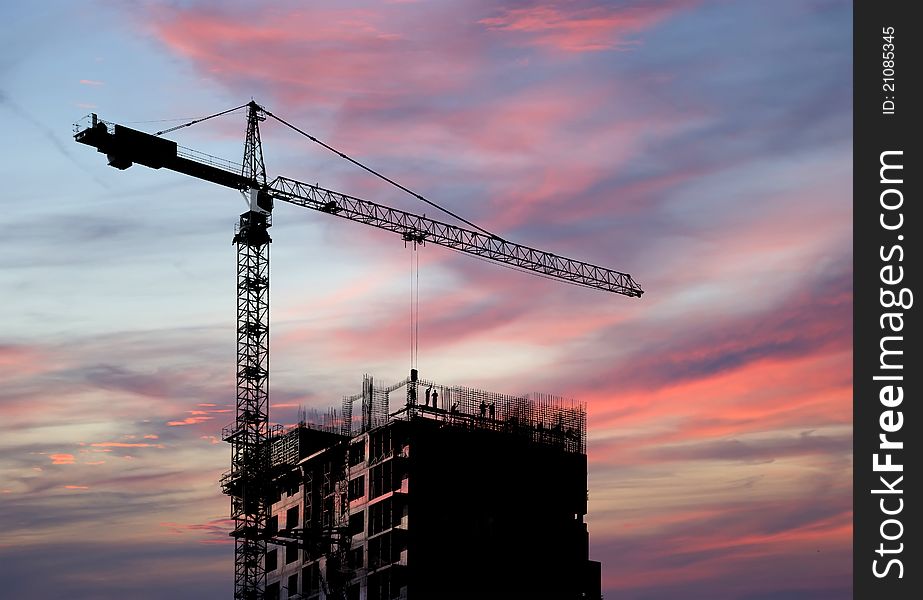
(702, 146)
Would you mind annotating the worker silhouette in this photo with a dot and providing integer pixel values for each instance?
(559, 426)
(429, 391)
(455, 406)
(483, 409)
(435, 396)
(490, 409)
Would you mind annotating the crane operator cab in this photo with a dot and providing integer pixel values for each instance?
(260, 200)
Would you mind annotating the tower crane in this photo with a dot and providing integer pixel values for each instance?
(247, 482)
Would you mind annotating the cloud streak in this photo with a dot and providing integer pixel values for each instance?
(570, 27)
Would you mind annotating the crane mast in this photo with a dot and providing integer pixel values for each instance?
(248, 480)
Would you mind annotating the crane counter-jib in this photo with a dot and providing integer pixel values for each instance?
(124, 147)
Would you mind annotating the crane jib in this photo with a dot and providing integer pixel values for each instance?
(422, 229)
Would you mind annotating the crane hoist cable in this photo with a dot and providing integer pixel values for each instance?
(414, 303)
(414, 307)
(416, 332)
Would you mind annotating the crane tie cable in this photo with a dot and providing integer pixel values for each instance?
(379, 175)
(224, 112)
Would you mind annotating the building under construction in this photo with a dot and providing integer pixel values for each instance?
(461, 493)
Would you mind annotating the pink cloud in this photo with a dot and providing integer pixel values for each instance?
(671, 559)
(189, 421)
(199, 416)
(750, 391)
(315, 54)
(372, 65)
(212, 532)
(62, 459)
(125, 445)
(17, 361)
(570, 28)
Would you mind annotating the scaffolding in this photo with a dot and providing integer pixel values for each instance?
(374, 400)
(543, 419)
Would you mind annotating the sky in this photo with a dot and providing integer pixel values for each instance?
(704, 146)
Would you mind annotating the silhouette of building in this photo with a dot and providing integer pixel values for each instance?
(471, 495)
